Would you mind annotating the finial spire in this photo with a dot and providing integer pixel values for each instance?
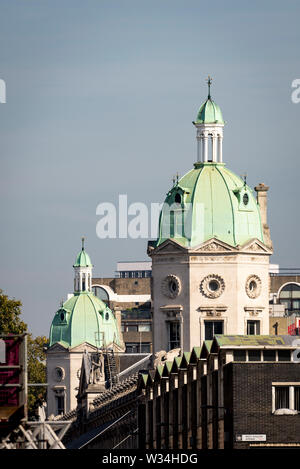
(176, 178)
(82, 240)
(244, 176)
(209, 82)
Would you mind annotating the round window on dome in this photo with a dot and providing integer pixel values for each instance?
(106, 316)
(62, 316)
(245, 199)
(252, 286)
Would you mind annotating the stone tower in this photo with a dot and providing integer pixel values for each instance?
(82, 324)
(210, 263)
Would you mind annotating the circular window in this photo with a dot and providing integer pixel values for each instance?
(59, 374)
(62, 316)
(212, 286)
(171, 286)
(245, 199)
(107, 316)
(253, 286)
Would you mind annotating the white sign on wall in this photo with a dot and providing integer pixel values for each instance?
(251, 437)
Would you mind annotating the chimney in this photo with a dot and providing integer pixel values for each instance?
(261, 198)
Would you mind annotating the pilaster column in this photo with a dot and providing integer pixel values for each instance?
(220, 149)
(205, 149)
(199, 145)
(214, 148)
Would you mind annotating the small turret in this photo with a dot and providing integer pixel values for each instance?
(83, 271)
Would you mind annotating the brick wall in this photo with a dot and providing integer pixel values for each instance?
(248, 389)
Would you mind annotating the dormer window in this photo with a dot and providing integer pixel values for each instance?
(178, 198)
(245, 199)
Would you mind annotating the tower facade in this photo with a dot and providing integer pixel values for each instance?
(82, 324)
(210, 263)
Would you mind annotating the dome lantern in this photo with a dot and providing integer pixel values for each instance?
(83, 271)
(209, 125)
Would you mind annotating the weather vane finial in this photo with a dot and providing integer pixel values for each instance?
(82, 240)
(209, 82)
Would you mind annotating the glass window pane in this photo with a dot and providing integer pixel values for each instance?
(286, 303)
(132, 328)
(239, 355)
(208, 330)
(253, 327)
(297, 397)
(254, 356)
(144, 327)
(145, 348)
(218, 327)
(284, 355)
(212, 328)
(174, 335)
(269, 355)
(282, 397)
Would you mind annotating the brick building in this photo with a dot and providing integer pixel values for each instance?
(235, 392)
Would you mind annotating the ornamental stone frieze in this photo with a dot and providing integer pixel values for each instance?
(253, 286)
(212, 311)
(254, 311)
(171, 286)
(212, 286)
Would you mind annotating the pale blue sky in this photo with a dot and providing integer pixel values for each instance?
(101, 95)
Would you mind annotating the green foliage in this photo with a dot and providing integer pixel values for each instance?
(10, 311)
(11, 323)
(36, 371)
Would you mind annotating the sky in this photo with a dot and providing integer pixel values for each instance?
(100, 99)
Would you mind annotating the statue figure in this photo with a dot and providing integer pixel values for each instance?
(97, 372)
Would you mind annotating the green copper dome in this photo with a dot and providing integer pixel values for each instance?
(83, 259)
(209, 113)
(84, 318)
(210, 201)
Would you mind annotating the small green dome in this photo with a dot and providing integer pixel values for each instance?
(84, 318)
(83, 259)
(209, 113)
(210, 201)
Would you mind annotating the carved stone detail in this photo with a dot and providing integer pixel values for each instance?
(171, 286)
(213, 247)
(253, 286)
(212, 286)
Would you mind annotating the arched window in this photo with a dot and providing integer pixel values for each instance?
(101, 293)
(178, 198)
(290, 297)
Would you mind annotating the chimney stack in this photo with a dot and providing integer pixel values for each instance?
(262, 201)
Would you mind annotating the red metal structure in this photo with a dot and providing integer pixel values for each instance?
(13, 381)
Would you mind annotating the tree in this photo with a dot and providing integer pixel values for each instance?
(11, 323)
(36, 364)
(10, 312)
